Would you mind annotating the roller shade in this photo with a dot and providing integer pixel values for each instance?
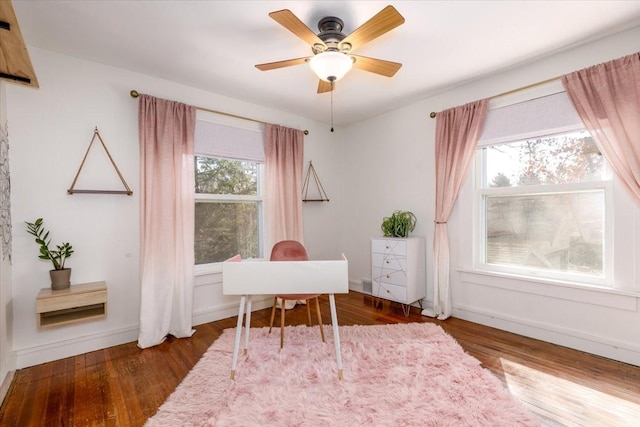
(220, 140)
(553, 113)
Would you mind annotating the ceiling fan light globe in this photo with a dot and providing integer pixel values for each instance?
(331, 66)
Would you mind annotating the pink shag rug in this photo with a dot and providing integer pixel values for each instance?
(394, 375)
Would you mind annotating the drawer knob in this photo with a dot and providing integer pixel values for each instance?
(388, 291)
(387, 262)
(387, 276)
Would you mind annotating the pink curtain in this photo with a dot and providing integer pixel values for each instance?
(166, 219)
(607, 98)
(457, 133)
(284, 149)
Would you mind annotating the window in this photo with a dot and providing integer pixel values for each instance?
(229, 165)
(228, 209)
(543, 205)
(543, 194)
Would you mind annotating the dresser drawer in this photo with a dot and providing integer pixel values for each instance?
(392, 262)
(390, 292)
(393, 277)
(396, 247)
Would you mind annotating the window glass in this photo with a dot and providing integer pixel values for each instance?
(543, 206)
(557, 159)
(228, 209)
(224, 230)
(224, 176)
(558, 231)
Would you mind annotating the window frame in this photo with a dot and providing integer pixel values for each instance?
(236, 198)
(480, 192)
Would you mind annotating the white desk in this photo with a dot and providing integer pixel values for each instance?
(249, 278)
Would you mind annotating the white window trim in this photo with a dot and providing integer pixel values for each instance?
(203, 197)
(216, 267)
(606, 280)
(623, 220)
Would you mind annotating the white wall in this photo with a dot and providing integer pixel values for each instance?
(389, 164)
(50, 131)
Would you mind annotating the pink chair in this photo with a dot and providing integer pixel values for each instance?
(291, 250)
(235, 258)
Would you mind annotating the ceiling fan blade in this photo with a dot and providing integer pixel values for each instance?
(324, 86)
(378, 66)
(287, 19)
(281, 64)
(386, 20)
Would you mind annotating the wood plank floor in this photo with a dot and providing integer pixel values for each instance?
(124, 386)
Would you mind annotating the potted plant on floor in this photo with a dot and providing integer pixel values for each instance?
(399, 224)
(60, 276)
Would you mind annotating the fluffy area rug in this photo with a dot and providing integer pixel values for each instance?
(394, 375)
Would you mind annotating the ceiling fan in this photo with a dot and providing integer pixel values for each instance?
(332, 50)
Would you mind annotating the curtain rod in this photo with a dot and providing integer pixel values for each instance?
(509, 92)
(135, 94)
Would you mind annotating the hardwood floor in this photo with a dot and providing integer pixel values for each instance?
(124, 386)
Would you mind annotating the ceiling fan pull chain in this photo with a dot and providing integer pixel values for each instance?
(332, 84)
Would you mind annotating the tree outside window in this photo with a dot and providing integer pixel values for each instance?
(543, 204)
(228, 209)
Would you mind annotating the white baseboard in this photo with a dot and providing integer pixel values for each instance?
(356, 285)
(72, 347)
(428, 312)
(6, 383)
(211, 314)
(601, 346)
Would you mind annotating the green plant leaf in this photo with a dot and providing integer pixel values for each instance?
(399, 224)
(57, 257)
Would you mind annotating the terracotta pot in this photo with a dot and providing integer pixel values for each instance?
(60, 279)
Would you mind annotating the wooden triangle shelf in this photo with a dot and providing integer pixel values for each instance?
(305, 187)
(126, 191)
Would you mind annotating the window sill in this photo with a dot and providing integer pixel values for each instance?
(576, 292)
(213, 268)
(207, 269)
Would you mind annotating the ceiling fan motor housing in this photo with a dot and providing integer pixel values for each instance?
(331, 34)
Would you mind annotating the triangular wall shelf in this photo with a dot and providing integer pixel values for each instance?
(126, 191)
(305, 187)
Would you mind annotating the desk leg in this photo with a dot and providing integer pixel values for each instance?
(336, 334)
(247, 325)
(236, 346)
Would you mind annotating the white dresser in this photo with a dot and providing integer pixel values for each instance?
(398, 269)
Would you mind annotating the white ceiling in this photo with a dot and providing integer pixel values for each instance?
(214, 45)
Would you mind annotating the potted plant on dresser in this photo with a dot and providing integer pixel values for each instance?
(60, 276)
(399, 224)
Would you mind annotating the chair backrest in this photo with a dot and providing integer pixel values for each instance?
(235, 258)
(289, 250)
